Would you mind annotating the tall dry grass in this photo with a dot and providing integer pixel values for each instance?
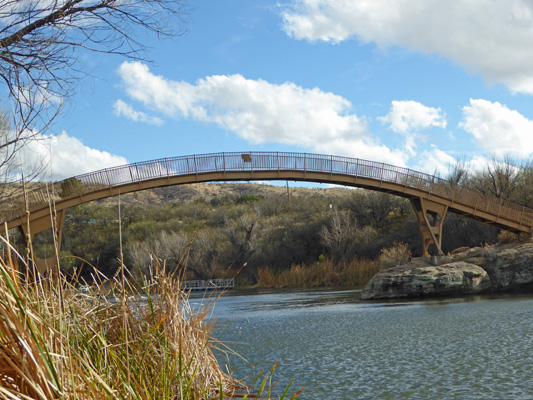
(398, 254)
(116, 342)
(323, 273)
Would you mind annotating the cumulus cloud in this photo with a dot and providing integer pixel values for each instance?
(409, 117)
(438, 162)
(66, 156)
(261, 112)
(498, 129)
(435, 161)
(492, 38)
(121, 108)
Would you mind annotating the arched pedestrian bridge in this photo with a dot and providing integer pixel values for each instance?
(430, 196)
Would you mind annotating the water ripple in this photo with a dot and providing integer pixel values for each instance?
(339, 348)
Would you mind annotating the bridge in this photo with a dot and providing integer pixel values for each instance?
(431, 197)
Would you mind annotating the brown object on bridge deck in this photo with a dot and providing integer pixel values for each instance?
(430, 196)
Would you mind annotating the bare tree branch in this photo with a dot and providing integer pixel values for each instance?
(40, 44)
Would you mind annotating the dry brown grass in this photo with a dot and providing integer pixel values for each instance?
(505, 237)
(353, 273)
(398, 254)
(112, 343)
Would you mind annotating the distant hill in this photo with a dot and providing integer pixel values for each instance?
(196, 191)
(209, 191)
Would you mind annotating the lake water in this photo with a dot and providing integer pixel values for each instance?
(340, 348)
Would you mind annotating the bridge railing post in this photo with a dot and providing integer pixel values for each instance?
(107, 177)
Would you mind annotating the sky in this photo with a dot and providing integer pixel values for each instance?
(415, 83)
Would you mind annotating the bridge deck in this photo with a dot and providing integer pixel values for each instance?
(266, 166)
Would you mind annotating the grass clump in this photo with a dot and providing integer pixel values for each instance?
(323, 273)
(116, 342)
(398, 254)
(505, 237)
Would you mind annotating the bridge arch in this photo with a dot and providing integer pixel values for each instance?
(430, 196)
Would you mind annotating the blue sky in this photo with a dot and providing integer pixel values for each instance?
(411, 83)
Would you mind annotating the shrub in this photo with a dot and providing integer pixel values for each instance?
(505, 237)
(398, 254)
(71, 187)
(264, 277)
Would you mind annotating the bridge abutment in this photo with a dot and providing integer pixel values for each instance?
(430, 217)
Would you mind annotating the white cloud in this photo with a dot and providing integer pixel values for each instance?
(261, 112)
(497, 129)
(435, 161)
(410, 117)
(121, 108)
(66, 156)
(490, 37)
(478, 164)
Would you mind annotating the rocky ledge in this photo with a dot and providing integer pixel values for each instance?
(490, 269)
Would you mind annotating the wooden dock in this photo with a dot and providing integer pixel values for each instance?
(212, 284)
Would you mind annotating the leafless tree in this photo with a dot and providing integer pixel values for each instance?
(9, 168)
(242, 236)
(339, 234)
(500, 178)
(40, 45)
(204, 253)
(458, 174)
(168, 247)
(524, 194)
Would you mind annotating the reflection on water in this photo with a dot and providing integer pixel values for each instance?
(341, 348)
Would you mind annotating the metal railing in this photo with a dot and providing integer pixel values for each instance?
(212, 284)
(14, 207)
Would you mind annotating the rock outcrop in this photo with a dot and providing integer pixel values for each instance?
(420, 278)
(510, 266)
(468, 271)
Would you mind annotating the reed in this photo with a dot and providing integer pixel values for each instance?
(116, 342)
(323, 273)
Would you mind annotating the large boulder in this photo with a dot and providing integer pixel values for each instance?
(502, 268)
(420, 278)
(509, 266)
